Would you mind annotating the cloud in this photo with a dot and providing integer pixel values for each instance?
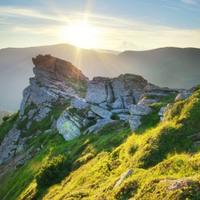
(114, 33)
(191, 2)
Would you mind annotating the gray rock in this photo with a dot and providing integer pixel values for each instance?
(101, 123)
(120, 111)
(124, 117)
(67, 128)
(128, 85)
(79, 103)
(123, 177)
(183, 95)
(101, 112)
(139, 109)
(91, 114)
(134, 122)
(31, 113)
(118, 104)
(54, 80)
(104, 105)
(147, 101)
(163, 110)
(97, 90)
(128, 101)
(9, 145)
(25, 101)
(110, 95)
(42, 113)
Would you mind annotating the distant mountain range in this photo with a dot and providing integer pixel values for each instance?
(171, 67)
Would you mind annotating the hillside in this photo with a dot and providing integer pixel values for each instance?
(106, 138)
(171, 67)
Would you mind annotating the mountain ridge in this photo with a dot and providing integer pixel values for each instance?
(16, 64)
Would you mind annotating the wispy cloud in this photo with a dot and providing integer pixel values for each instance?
(191, 2)
(114, 33)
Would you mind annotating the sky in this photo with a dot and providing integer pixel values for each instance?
(103, 24)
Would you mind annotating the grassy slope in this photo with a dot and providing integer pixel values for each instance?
(158, 153)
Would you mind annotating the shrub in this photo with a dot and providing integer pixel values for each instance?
(53, 171)
(115, 117)
(6, 117)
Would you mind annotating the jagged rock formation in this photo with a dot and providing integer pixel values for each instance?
(9, 145)
(117, 93)
(89, 105)
(97, 102)
(54, 80)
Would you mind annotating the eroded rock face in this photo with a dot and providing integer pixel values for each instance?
(94, 103)
(54, 79)
(121, 91)
(9, 145)
(97, 91)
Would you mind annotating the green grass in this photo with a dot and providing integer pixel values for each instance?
(159, 154)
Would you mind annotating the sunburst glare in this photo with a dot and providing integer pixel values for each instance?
(81, 34)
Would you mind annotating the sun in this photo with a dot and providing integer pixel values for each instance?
(80, 34)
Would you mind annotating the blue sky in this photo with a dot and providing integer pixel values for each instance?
(121, 24)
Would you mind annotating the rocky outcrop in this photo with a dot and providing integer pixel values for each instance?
(92, 104)
(55, 79)
(118, 92)
(9, 145)
(183, 94)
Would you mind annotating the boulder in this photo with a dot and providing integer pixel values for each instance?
(147, 101)
(163, 110)
(42, 113)
(183, 95)
(120, 111)
(97, 90)
(124, 117)
(66, 127)
(123, 177)
(118, 103)
(101, 123)
(128, 85)
(134, 122)
(139, 109)
(128, 101)
(31, 113)
(91, 114)
(9, 145)
(101, 112)
(104, 105)
(79, 103)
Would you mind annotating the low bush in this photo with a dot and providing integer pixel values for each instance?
(53, 171)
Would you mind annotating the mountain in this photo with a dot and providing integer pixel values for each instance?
(171, 67)
(106, 138)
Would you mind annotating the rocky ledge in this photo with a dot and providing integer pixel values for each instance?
(88, 105)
